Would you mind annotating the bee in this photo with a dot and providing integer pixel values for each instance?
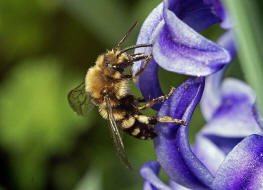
(106, 85)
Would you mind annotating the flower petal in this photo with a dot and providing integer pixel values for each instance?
(148, 81)
(178, 48)
(243, 166)
(148, 186)
(235, 117)
(172, 146)
(149, 25)
(195, 13)
(176, 186)
(211, 98)
(149, 171)
(220, 10)
(145, 36)
(227, 41)
(208, 153)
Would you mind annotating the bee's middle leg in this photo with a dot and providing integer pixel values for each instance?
(156, 100)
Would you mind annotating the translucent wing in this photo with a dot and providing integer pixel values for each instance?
(115, 134)
(79, 101)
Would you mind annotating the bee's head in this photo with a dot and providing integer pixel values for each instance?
(113, 67)
(113, 63)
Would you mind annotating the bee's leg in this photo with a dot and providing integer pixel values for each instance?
(147, 59)
(164, 119)
(156, 100)
(136, 54)
(133, 59)
(168, 119)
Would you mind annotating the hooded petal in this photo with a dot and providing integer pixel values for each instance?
(178, 48)
(197, 15)
(243, 166)
(235, 117)
(172, 146)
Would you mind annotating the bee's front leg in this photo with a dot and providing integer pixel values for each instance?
(140, 71)
(147, 59)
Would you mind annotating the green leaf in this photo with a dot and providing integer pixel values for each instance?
(247, 28)
(34, 109)
(35, 118)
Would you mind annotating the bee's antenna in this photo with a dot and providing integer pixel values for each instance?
(126, 35)
(134, 47)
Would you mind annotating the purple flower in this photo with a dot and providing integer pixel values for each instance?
(172, 27)
(228, 152)
(219, 10)
(229, 145)
(221, 158)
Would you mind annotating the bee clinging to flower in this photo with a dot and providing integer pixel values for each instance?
(106, 85)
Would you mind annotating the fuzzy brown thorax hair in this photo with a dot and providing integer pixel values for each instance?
(103, 76)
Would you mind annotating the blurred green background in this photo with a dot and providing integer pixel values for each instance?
(46, 47)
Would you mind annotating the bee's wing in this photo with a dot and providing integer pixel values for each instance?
(115, 135)
(79, 101)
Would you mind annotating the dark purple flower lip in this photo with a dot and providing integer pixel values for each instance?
(243, 166)
(172, 146)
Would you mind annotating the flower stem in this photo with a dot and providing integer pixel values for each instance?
(244, 13)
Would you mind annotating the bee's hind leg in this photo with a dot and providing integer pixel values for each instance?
(165, 119)
(168, 119)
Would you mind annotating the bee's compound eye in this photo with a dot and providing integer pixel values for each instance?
(114, 66)
(104, 92)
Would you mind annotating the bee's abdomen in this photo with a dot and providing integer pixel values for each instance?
(139, 126)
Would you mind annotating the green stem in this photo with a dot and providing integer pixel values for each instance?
(246, 27)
